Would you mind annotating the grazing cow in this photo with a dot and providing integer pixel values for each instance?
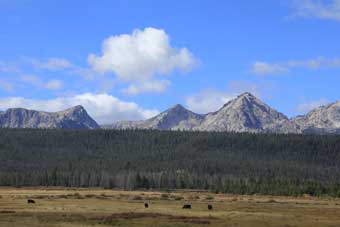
(210, 207)
(146, 205)
(30, 201)
(186, 206)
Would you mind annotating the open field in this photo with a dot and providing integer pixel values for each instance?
(96, 207)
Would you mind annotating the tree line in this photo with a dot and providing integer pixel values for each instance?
(241, 163)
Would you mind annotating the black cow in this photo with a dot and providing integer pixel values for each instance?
(146, 205)
(210, 207)
(30, 201)
(186, 206)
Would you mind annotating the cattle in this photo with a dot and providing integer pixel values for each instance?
(30, 201)
(146, 205)
(186, 206)
(210, 207)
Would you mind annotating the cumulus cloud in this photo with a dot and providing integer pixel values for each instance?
(323, 9)
(308, 106)
(266, 68)
(141, 58)
(104, 108)
(141, 55)
(148, 86)
(51, 64)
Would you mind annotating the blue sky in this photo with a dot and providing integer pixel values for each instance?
(131, 59)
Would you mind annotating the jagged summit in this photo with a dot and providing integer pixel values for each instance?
(76, 108)
(322, 119)
(176, 108)
(246, 113)
(246, 95)
(174, 118)
(72, 118)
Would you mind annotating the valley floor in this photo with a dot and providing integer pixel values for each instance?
(96, 207)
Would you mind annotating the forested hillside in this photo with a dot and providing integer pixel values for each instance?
(132, 159)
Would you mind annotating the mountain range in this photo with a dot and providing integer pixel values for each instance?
(245, 113)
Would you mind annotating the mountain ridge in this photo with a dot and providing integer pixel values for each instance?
(245, 113)
(72, 118)
(175, 118)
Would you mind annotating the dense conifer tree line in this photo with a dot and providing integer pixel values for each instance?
(133, 159)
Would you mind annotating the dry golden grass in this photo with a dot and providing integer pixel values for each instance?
(96, 207)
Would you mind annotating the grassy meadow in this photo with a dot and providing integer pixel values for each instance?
(97, 207)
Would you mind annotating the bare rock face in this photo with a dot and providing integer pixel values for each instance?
(73, 118)
(324, 119)
(175, 118)
(246, 113)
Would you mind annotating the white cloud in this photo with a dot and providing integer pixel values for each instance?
(316, 63)
(141, 55)
(323, 9)
(306, 107)
(266, 68)
(141, 58)
(103, 107)
(37, 82)
(51, 64)
(148, 86)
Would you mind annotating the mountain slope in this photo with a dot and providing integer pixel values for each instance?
(324, 119)
(246, 113)
(175, 118)
(73, 118)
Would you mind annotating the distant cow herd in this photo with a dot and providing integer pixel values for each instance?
(146, 205)
(185, 206)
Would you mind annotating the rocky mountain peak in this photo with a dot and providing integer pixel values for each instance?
(322, 119)
(245, 113)
(76, 110)
(246, 95)
(72, 118)
(174, 118)
(177, 109)
(247, 99)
